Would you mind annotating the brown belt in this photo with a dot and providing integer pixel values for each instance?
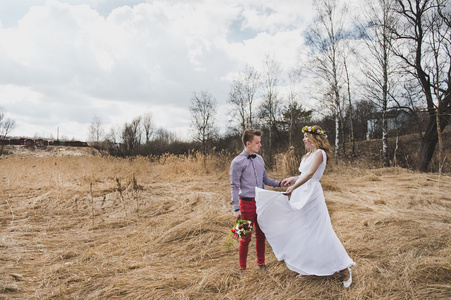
(247, 199)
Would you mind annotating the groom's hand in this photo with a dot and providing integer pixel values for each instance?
(237, 215)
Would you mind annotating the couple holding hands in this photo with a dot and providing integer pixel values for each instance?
(295, 222)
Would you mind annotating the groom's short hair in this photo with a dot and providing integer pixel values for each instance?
(248, 135)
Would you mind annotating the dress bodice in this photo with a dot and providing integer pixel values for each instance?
(307, 161)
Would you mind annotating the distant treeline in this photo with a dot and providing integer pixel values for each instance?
(42, 142)
(127, 140)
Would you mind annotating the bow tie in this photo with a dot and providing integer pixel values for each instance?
(251, 156)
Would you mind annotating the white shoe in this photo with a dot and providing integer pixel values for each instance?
(347, 283)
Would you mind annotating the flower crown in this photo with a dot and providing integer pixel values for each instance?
(313, 130)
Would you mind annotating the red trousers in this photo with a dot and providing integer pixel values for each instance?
(248, 212)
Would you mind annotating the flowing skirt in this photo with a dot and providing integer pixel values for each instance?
(300, 232)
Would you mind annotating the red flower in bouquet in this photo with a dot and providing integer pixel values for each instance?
(241, 228)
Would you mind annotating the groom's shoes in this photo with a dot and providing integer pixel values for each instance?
(262, 267)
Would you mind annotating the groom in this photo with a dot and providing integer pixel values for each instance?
(247, 171)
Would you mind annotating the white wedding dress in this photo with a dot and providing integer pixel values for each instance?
(299, 229)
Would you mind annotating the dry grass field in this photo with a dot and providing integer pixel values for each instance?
(89, 227)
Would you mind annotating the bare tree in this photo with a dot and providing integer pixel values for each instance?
(242, 94)
(426, 50)
(131, 136)
(294, 115)
(203, 110)
(351, 111)
(379, 68)
(293, 78)
(6, 126)
(112, 142)
(164, 136)
(324, 37)
(238, 113)
(270, 108)
(148, 126)
(96, 131)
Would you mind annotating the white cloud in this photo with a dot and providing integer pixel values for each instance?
(275, 16)
(65, 61)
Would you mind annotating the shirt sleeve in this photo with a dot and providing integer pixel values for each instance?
(270, 181)
(235, 177)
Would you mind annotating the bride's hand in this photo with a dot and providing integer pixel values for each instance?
(288, 191)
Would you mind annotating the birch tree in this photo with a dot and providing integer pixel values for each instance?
(425, 33)
(324, 37)
(351, 110)
(379, 68)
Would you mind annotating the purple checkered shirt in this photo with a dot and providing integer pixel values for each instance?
(246, 174)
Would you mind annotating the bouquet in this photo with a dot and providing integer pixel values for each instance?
(241, 228)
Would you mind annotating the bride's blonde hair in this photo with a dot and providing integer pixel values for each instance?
(320, 141)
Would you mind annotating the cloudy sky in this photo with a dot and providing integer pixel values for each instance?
(65, 61)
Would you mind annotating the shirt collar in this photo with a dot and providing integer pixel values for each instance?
(247, 154)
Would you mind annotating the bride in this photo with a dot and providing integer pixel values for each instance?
(299, 230)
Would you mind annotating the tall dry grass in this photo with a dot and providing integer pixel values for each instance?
(158, 228)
